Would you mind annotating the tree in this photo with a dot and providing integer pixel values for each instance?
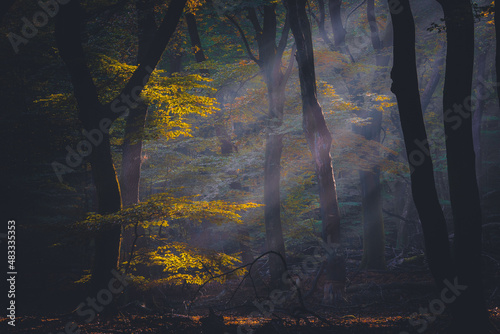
(95, 116)
(318, 136)
(269, 61)
(405, 87)
(497, 49)
(134, 129)
(469, 311)
(334, 8)
(471, 314)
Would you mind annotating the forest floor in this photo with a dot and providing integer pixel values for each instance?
(399, 300)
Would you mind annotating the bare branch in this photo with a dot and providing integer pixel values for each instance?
(252, 16)
(243, 37)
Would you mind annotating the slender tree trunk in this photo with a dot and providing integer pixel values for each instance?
(321, 25)
(93, 116)
(130, 173)
(134, 128)
(272, 165)
(68, 40)
(269, 61)
(478, 113)
(318, 136)
(471, 314)
(497, 49)
(405, 87)
(433, 82)
(272, 200)
(373, 222)
(334, 8)
(194, 36)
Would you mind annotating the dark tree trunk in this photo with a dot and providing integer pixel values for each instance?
(317, 134)
(194, 36)
(497, 50)
(405, 87)
(321, 24)
(334, 8)
(175, 64)
(134, 128)
(90, 114)
(130, 173)
(93, 115)
(478, 113)
(471, 314)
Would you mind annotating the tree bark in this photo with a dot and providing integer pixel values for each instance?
(478, 113)
(93, 115)
(433, 82)
(134, 128)
(275, 82)
(68, 38)
(372, 22)
(497, 50)
(194, 36)
(269, 61)
(321, 24)
(317, 134)
(334, 8)
(373, 222)
(405, 87)
(470, 314)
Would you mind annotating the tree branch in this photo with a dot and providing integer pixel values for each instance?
(245, 41)
(284, 37)
(252, 16)
(141, 75)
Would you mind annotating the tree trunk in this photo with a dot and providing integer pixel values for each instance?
(136, 120)
(433, 82)
(334, 8)
(93, 115)
(373, 222)
(270, 62)
(318, 136)
(470, 314)
(321, 25)
(90, 113)
(405, 87)
(194, 36)
(272, 200)
(478, 113)
(130, 173)
(497, 50)
(372, 22)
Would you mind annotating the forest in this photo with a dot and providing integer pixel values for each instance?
(250, 166)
